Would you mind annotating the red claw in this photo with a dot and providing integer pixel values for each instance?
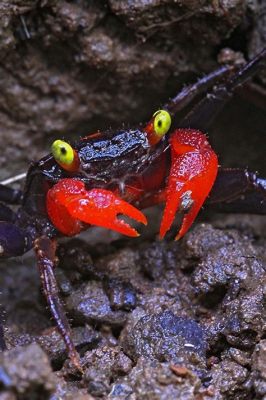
(70, 205)
(193, 171)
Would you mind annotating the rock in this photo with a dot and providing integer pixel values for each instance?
(155, 381)
(90, 304)
(51, 341)
(104, 365)
(230, 381)
(166, 337)
(26, 373)
(259, 368)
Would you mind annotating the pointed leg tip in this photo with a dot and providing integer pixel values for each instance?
(80, 369)
(76, 362)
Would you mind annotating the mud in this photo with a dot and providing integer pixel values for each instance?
(68, 68)
(194, 330)
(151, 319)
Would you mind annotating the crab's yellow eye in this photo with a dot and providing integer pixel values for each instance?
(64, 155)
(161, 122)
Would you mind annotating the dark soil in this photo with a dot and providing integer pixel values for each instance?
(151, 319)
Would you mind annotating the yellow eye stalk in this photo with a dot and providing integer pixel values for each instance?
(65, 155)
(158, 126)
(161, 123)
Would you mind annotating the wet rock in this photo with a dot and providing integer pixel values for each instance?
(240, 322)
(120, 391)
(121, 294)
(7, 396)
(157, 300)
(203, 239)
(239, 356)
(70, 18)
(259, 369)
(20, 295)
(258, 36)
(74, 258)
(166, 337)
(231, 381)
(229, 274)
(69, 391)
(158, 257)
(226, 262)
(124, 265)
(26, 372)
(161, 337)
(150, 17)
(90, 304)
(51, 341)
(123, 280)
(104, 365)
(245, 319)
(64, 283)
(155, 381)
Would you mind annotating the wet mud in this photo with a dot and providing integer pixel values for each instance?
(151, 319)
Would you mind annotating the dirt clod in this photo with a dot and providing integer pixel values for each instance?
(26, 373)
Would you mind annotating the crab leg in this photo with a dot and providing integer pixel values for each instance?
(70, 205)
(13, 240)
(203, 114)
(2, 333)
(188, 93)
(238, 190)
(45, 252)
(193, 171)
(9, 195)
(6, 214)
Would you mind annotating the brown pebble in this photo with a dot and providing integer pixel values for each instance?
(179, 370)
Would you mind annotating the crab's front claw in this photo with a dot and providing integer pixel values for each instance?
(70, 205)
(193, 171)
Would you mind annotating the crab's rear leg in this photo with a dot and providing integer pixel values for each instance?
(10, 195)
(190, 92)
(193, 171)
(204, 112)
(14, 241)
(45, 251)
(239, 191)
(71, 207)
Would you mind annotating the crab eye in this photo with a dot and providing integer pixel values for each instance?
(161, 122)
(65, 155)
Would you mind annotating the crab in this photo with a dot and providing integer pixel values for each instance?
(105, 175)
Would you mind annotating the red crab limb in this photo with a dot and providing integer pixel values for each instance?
(193, 171)
(70, 205)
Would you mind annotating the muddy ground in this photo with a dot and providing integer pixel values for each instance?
(152, 319)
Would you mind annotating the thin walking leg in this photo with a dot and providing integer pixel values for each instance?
(45, 250)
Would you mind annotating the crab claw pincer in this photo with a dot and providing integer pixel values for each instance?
(70, 206)
(193, 171)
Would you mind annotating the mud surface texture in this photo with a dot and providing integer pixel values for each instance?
(152, 320)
